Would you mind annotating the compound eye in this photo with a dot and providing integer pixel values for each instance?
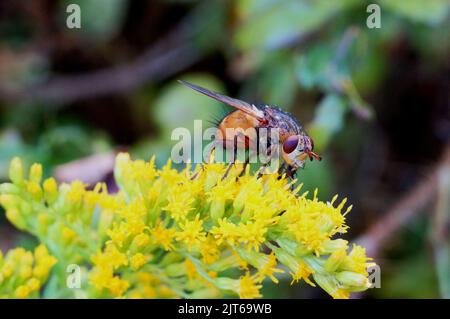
(290, 144)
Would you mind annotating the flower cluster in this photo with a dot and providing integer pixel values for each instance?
(195, 233)
(22, 273)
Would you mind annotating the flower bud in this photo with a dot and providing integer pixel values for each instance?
(140, 241)
(217, 209)
(44, 221)
(239, 202)
(332, 245)
(335, 260)
(50, 190)
(122, 162)
(34, 284)
(16, 218)
(9, 188)
(68, 234)
(175, 270)
(138, 260)
(16, 171)
(348, 278)
(226, 283)
(327, 283)
(35, 190)
(35, 173)
(22, 292)
(8, 201)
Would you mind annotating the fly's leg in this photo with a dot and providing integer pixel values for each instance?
(233, 159)
(210, 153)
(227, 171)
(290, 172)
(247, 160)
(213, 147)
(270, 154)
(261, 170)
(281, 170)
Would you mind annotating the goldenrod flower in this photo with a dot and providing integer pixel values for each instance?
(191, 233)
(22, 273)
(163, 237)
(248, 287)
(138, 260)
(170, 233)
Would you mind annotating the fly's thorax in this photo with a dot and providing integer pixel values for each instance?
(282, 120)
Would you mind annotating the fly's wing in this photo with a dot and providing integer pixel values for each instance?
(240, 105)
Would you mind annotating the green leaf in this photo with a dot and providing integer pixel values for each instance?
(328, 120)
(275, 83)
(271, 26)
(311, 67)
(178, 105)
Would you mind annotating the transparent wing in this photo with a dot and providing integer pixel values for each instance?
(240, 105)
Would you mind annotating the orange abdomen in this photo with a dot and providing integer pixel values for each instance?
(241, 125)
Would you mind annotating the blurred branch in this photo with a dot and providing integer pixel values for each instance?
(345, 44)
(174, 52)
(90, 170)
(343, 84)
(410, 205)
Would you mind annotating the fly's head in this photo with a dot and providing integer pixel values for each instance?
(296, 149)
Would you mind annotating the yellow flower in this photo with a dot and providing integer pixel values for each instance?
(209, 250)
(189, 230)
(23, 291)
(191, 233)
(269, 269)
(16, 171)
(180, 203)
(43, 262)
(218, 195)
(35, 190)
(252, 234)
(34, 284)
(117, 286)
(118, 233)
(340, 294)
(191, 271)
(76, 192)
(303, 272)
(357, 261)
(248, 287)
(335, 260)
(250, 192)
(225, 232)
(24, 271)
(138, 260)
(141, 240)
(68, 234)
(171, 175)
(50, 190)
(163, 237)
(307, 230)
(35, 175)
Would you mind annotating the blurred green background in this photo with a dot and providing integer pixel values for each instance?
(376, 101)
